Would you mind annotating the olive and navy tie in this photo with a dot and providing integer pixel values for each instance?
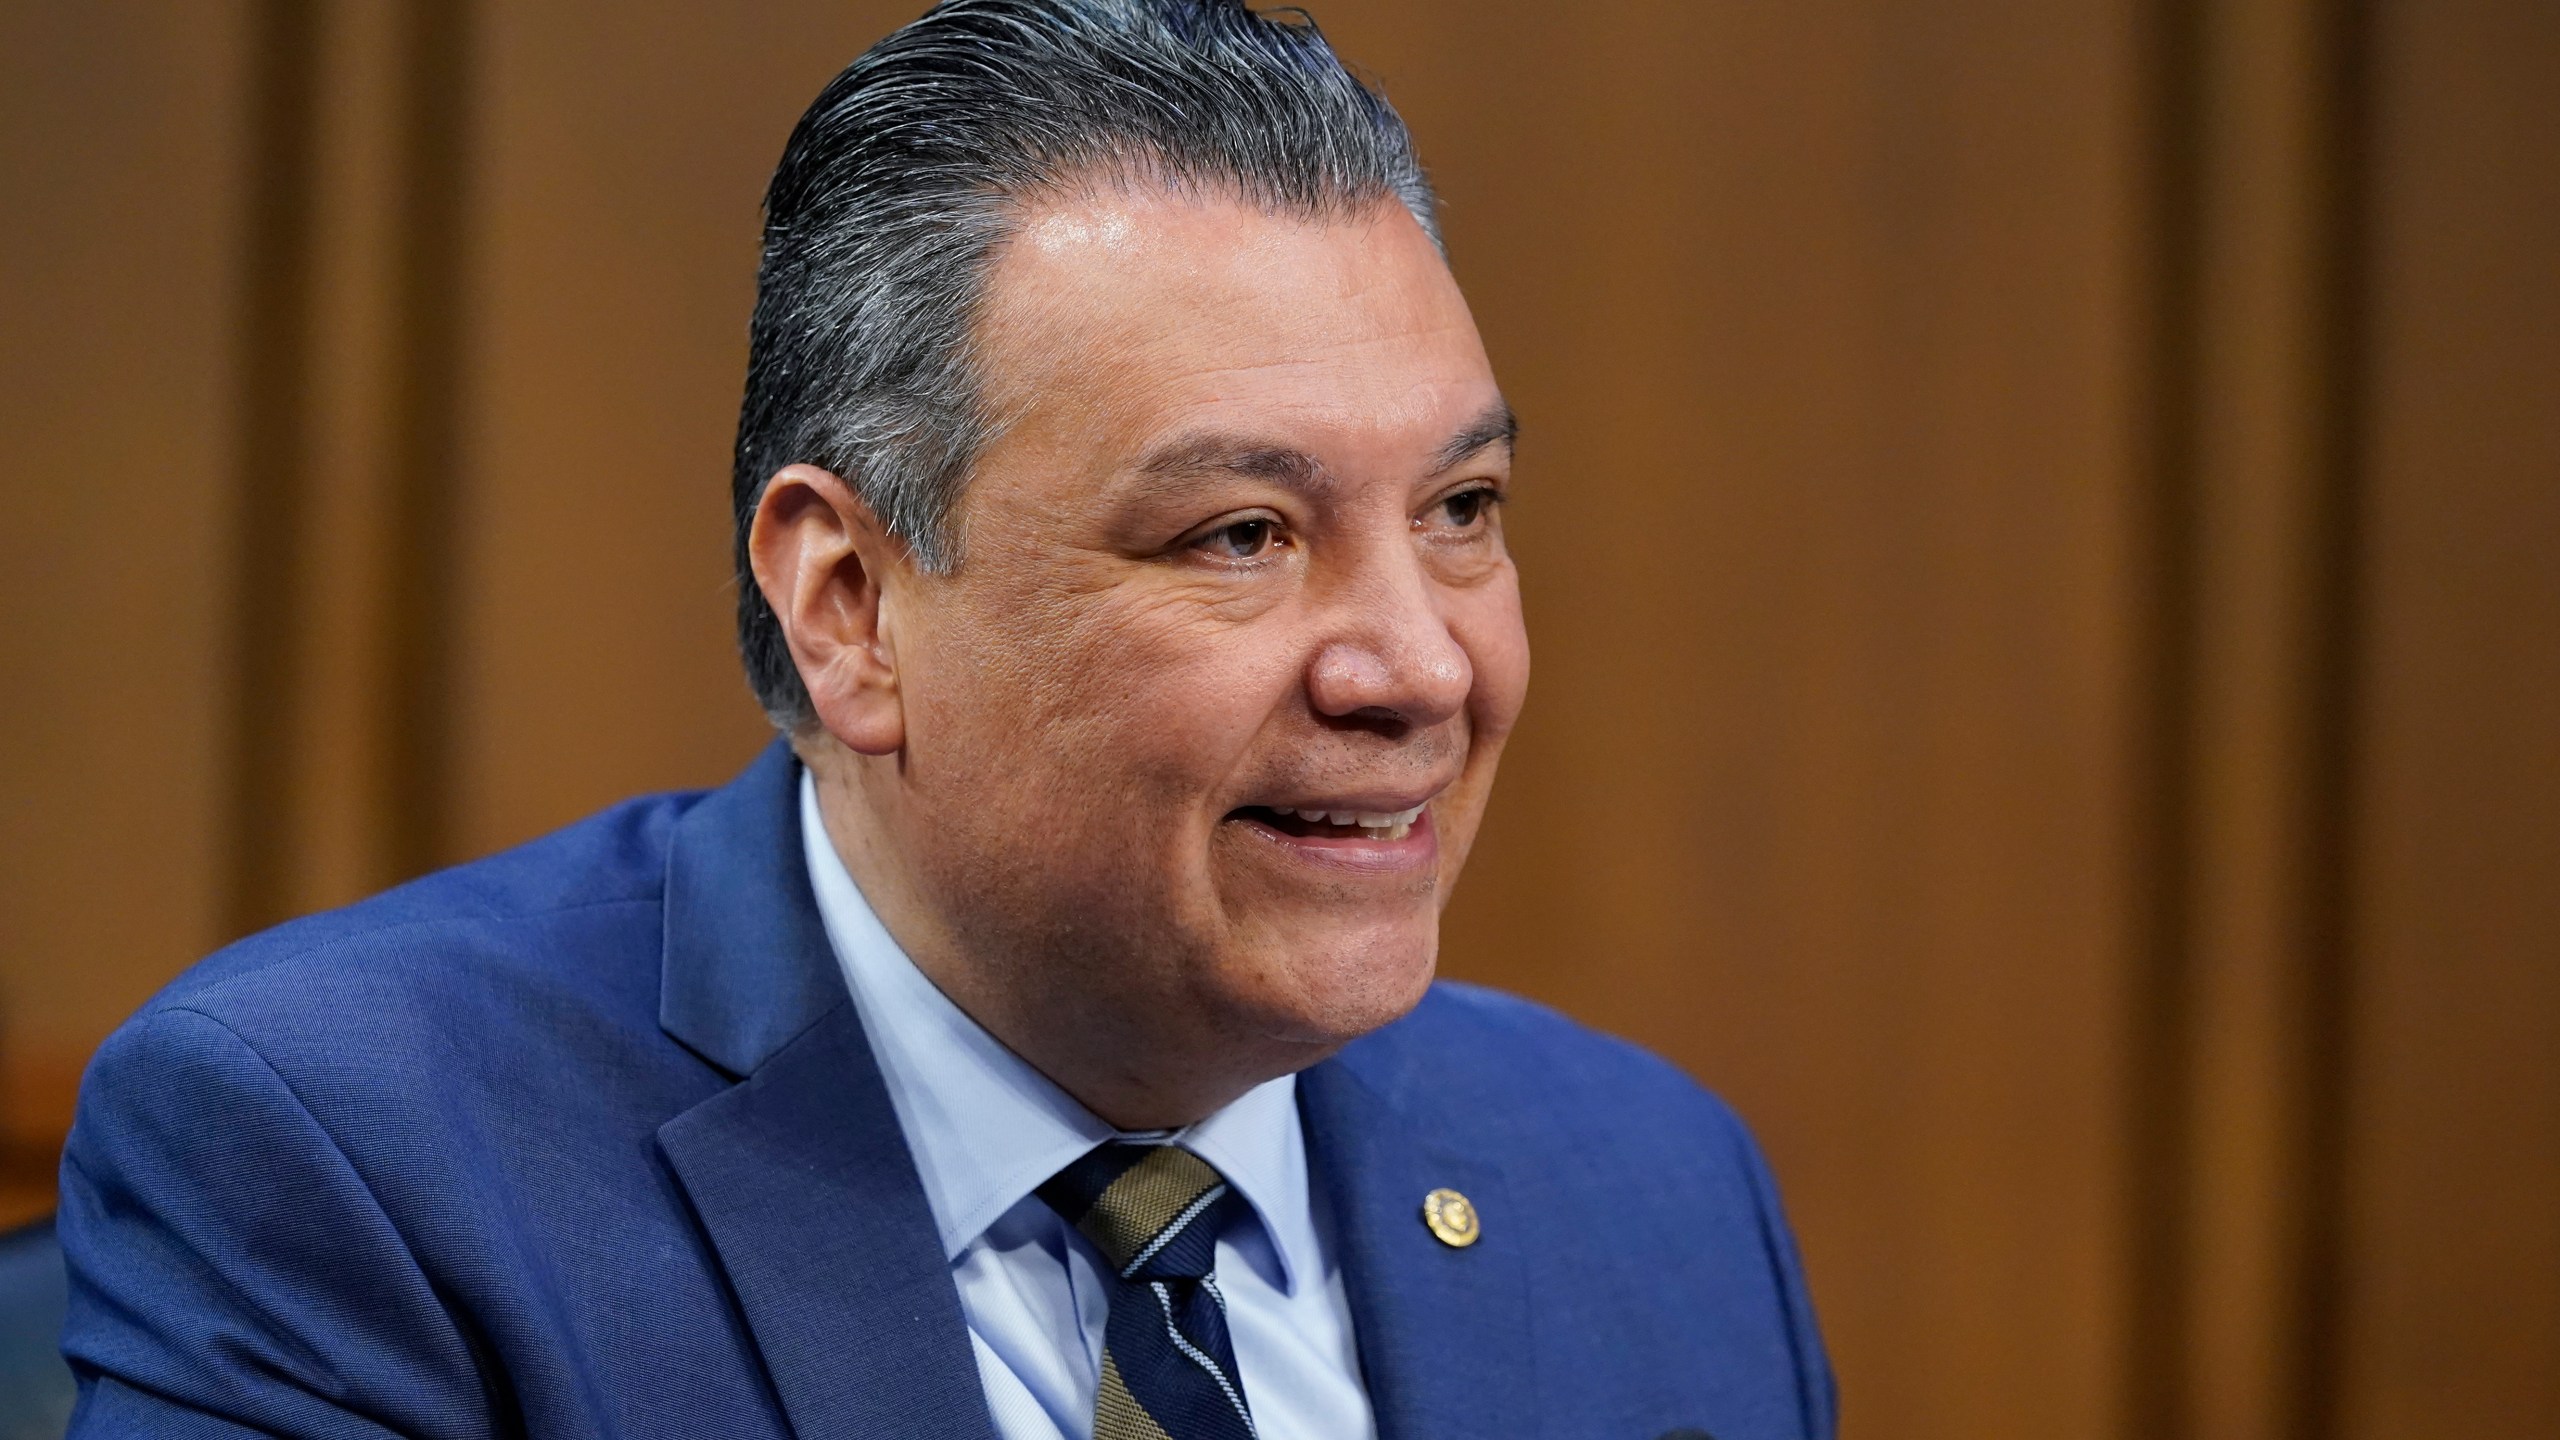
(1154, 1211)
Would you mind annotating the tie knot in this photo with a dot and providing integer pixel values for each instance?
(1154, 1211)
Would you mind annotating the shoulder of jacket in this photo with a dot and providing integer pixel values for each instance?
(440, 928)
(1488, 1049)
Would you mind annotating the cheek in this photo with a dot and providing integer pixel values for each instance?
(1489, 627)
(1105, 707)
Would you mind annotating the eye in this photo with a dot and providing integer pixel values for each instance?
(1246, 539)
(1468, 509)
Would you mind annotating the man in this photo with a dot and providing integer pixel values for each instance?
(1040, 1040)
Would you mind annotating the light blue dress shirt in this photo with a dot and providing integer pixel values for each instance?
(986, 1129)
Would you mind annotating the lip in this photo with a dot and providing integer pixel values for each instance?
(1374, 802)
(1419, 850)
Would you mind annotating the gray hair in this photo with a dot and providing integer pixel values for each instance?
(908, 173)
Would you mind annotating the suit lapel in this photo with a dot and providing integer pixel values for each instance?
(1446, 1345)
(802, 1178)
(800, 1174)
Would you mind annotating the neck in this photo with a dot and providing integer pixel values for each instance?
(1136, 1062)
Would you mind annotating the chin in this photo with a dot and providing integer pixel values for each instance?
(1332, 994)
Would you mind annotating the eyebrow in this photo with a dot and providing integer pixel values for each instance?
(1236, 455)
(1300, 471)
(1496, 426)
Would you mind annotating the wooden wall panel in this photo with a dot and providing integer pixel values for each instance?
(623, 152)
(2452, 1293)
(122, 178)
(2258, 109)
(338, 771)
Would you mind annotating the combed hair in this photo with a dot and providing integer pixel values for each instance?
(909, 171)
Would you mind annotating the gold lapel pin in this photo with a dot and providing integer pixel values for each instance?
(1452, 1218)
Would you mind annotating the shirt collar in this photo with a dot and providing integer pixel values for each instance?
(986, 1129)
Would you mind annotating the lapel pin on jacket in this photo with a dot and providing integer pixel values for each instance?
(1452, 1218)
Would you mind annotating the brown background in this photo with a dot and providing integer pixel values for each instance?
(2042, 525)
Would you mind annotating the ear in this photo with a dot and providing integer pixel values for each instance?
(821, 558)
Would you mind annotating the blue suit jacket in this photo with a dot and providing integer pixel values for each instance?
(584, 1140)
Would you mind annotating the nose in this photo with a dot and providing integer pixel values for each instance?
(1391, 658)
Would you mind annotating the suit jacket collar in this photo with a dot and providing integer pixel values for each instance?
(799, 1174)
(746, 966)
(801, 1177)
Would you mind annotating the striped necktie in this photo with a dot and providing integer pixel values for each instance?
(1154, 1211)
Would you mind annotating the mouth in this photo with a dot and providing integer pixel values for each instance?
(1386, 826)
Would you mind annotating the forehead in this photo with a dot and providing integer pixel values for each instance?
(1128, 312)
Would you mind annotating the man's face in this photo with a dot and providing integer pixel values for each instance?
(1235, 560)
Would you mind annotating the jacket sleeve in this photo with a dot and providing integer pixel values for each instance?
(231, 1273)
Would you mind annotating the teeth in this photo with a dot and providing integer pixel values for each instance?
(1397, 824)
